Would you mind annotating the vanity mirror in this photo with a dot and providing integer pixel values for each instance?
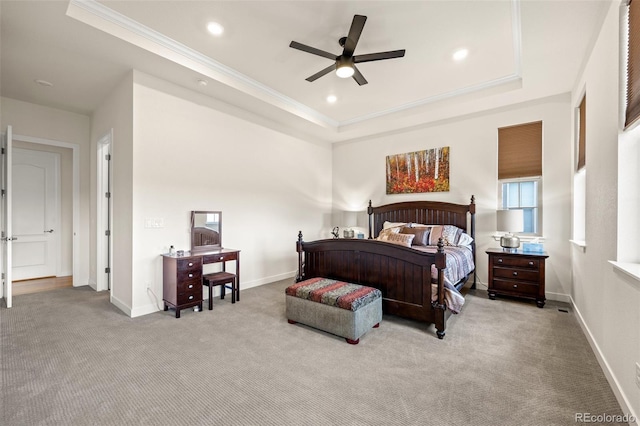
(206, 231)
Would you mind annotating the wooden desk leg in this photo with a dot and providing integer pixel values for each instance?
(210, 298)
(233, 291)
(238, 278)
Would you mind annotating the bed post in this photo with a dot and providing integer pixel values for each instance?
(472, 210)
(439, 306)
(370, 213)
(300, 275)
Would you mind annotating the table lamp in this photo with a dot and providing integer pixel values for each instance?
(510, 221)
(349, 220)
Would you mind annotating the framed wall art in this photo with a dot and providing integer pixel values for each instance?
(420, 171)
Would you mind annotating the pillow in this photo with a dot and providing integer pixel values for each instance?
(465, 240)
(400, 239)
(421, 235)
(384, 234)
(387, 224)
(450, 235)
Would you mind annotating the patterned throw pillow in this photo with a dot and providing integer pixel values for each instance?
(384, 234)
(400, 239)
(450, 235)
(421, 235)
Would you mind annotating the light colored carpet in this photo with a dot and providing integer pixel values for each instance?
(71, 358)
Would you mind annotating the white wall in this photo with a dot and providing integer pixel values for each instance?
(607, 301)
(36, 121)
(189, 155)
(359, 175)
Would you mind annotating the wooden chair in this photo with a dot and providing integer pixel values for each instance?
(221, 279)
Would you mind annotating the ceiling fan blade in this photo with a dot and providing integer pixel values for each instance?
(354, 34)
(319, 74)
(312, 50)
(378, 56)
(358, 77)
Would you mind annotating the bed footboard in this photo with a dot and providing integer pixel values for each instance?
(402, 275)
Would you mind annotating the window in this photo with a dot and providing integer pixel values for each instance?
(520, 172)
(633, 64)
(523, 194)
(579, 178)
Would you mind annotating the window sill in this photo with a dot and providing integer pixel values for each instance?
(580, 244)
(630, 269)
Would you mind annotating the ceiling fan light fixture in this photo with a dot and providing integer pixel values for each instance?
(344, 69)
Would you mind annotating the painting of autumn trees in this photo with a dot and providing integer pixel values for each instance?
(420, 171)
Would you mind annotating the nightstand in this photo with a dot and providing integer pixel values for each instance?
(517, 273)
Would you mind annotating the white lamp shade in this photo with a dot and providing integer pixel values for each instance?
(510, 220)
(349, 219)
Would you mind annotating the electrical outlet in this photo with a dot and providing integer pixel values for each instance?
(637, 374)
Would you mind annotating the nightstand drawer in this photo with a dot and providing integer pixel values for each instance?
(518, 287)
(516, 274)
(518, 262)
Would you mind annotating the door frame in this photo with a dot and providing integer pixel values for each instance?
(75, 149)
(103, 257)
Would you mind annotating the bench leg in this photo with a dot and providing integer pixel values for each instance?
(377, 325)
(292, 321)
(352, 342)
(210, 298)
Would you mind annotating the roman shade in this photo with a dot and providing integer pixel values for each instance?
(633, 64)
(520, 150)
(582, 133)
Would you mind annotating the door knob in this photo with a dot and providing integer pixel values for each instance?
(50, 231)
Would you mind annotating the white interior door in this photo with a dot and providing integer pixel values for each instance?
(36, 215)
(7, 238)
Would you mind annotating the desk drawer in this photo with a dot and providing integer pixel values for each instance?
(193, 264)
(519, 262)
(189, 286)
(222, 257)
(189, 296)
(516, 274)
(190, 274)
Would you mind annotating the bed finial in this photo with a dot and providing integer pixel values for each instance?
(473, 199)
(300, 236)
(370, 213)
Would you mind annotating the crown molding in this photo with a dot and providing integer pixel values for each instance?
(99, 16)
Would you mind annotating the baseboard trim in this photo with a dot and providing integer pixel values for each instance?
(558, 297)
(611, 378)
(120, 305)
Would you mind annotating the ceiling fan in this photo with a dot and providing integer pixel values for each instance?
(345, 64)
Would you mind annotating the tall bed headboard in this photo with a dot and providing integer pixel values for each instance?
(425, 212)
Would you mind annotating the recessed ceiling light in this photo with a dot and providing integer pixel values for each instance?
(332, 99)
(203, 82)
(44, 83)
(215, 28)
(460, 54)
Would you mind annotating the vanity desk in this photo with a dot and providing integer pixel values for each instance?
(182, 276)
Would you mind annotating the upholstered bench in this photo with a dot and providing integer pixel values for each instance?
(344, 309)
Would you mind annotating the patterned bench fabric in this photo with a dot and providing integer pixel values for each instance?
(334, 293)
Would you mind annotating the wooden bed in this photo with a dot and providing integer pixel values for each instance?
(403, 274)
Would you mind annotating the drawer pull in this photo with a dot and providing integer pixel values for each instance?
(190, 275)
(190, 263)
(530, 263)
(221, 257)
(190, 285)
(515, 286)
(500, 260)
(515, 274)
(191, 297)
